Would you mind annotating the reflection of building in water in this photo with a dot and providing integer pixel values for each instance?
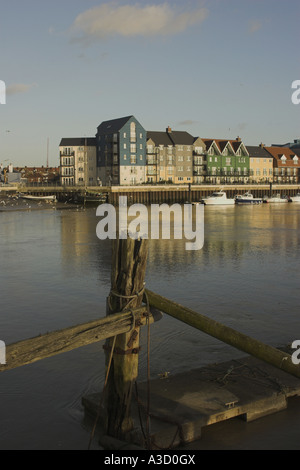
(80, 245)
(232, 234)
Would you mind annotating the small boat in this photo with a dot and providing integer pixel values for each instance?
(247, 198)
(97, 198)
(218, 198)
(38, 198)
(295, 198)
(276, 198)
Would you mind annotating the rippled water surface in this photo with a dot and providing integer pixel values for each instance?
(55, 273)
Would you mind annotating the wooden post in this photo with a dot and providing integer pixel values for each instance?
(129, 259)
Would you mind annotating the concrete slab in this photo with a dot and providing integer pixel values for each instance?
(181, 405)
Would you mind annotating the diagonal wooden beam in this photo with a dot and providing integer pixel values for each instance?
(269, 354)
(57, 342)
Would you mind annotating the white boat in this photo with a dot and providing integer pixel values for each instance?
(247, 198)
(217, 198)
(276, 198)
(295, 198)
(38, 198)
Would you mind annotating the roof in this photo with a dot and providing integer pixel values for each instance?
(171, 138)
(112, 126)
(159, 138)
(221, 143)
(277, 152)
(77, 141)
(257, 151)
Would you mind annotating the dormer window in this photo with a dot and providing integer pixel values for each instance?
(295, 160)
(283, 159)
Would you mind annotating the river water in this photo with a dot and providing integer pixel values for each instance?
(55, 273)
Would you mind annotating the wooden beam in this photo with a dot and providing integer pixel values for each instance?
(57, 342)
(226, 334)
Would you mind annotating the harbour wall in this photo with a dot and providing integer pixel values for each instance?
(153, 194)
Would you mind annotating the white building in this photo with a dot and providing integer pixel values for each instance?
(78, 163)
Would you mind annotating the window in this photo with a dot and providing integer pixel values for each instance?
(124, 146)
(180, 168)
(132, 159)
(133, 148)
(228, 161)
(124, 135)
(132, 132)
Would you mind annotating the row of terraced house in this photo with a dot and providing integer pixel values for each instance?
(124, 153)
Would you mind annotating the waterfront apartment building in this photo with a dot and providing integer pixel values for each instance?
(261, 164)
(121, 151)
(227, 161)
(286, 165)
(78, 164)
(171, 157)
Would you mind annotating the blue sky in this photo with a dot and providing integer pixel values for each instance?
(215, 68)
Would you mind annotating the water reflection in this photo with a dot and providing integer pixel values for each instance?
(55, 272)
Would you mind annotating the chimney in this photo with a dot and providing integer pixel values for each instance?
(238, 139)
(169, 130)
(261, 145)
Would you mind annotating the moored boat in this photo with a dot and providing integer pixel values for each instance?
(295, 198)
(38, 198)
(276, 198)
(247, 198)
(218, 198)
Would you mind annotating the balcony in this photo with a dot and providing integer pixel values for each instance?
(151, 172)
(199, 172)
(151, 160)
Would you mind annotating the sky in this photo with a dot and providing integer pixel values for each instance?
(214, 68)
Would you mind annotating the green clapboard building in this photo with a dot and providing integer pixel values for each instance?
(227, 161)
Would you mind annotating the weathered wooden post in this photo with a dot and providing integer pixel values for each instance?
(129, 259)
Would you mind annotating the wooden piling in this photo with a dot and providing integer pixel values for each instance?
(129, 259)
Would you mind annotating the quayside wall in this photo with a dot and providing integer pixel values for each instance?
(153, 194)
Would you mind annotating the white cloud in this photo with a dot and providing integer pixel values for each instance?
(110, 19)
(255, 25)
(187, 122)
(18, 88)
